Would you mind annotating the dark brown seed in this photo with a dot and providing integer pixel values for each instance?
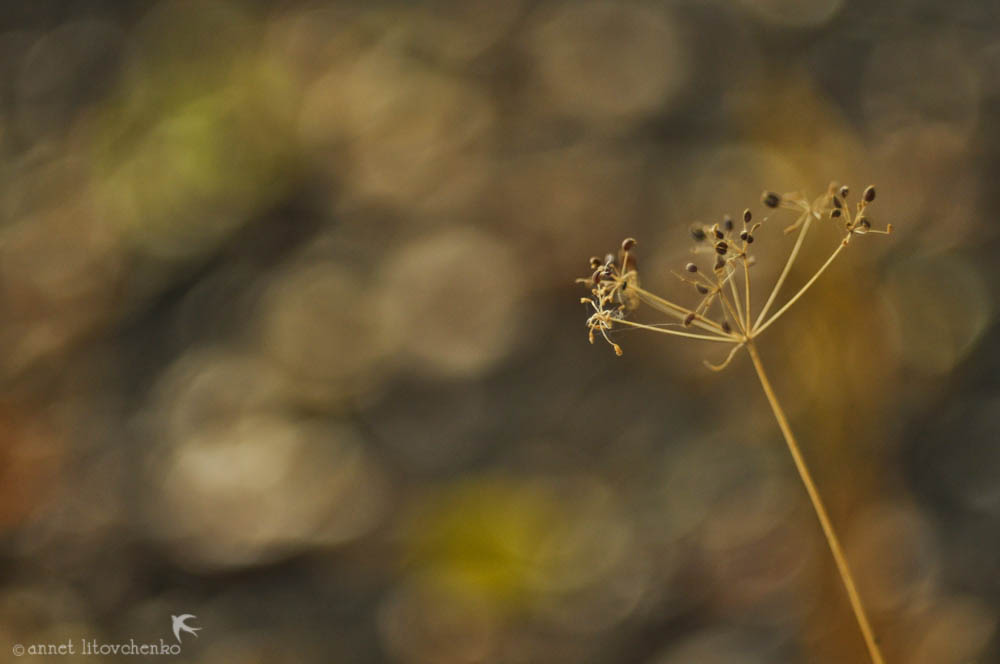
(836, 202)
(595, 262)
(747, 216)
(720, 262)
(689, 319)
(844, 191)
(744, 235)
(691, 267)
(719, 234)
(721, 248)
(701, 288)
(770, 199)
(628, 243)
(834, 214)
(597, 277)
(869, 194)
(727, 223)
(698, 233)
(725, 327)
(749, 239)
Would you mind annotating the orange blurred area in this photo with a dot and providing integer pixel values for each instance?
(291, 340)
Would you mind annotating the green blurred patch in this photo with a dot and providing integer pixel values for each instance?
(484, 537)
(195, 146)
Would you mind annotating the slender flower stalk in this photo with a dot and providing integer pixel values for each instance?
(616, 294)
(817, 502)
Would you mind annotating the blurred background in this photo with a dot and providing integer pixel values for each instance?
(291, 340)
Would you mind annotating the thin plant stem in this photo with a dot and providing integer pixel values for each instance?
(727, 308)
(824, 519)
(746, 281)
(668, 307)
(788, 268)
(690, 335)
(787, 305)
(741, 319)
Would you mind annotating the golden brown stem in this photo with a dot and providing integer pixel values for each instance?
(824, 519)
(746, 282)
(668, 307)
(808, 285)
(784, 272)
(707, 337)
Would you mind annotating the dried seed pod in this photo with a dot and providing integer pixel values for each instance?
(744, 235)
(747, 216)
(725, 327)
(727, 223)
(701, 288)
(689, 319)
(834, 213)
(628, 243)
(720, 262)
(869, 194)
(595, 262)
(691, 267)
(718, 234)
(749, 239)
(836, 202)
(770, 199)
(844, 191)
(721, 248)
(698, 233)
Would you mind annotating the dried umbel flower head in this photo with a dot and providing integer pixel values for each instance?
(725, 284)
(722, 311)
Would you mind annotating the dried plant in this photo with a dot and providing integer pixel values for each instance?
(723, 313)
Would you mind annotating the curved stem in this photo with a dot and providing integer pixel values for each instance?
(824, 519)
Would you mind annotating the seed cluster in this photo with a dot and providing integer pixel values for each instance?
(614, 288)
(723, 310)
(724, 243)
